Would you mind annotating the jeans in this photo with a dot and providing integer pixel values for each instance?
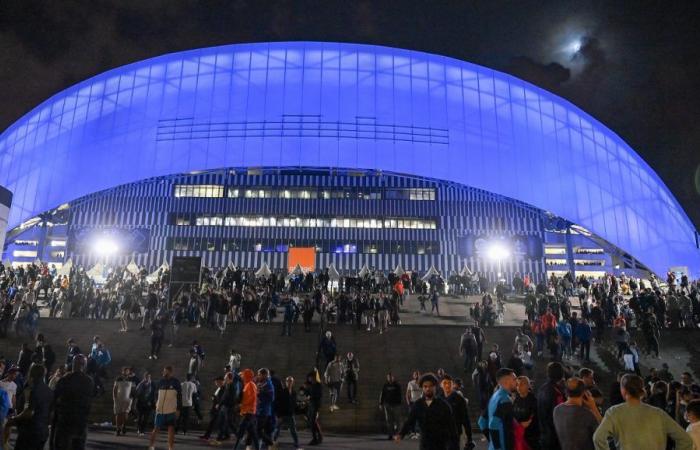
(334, 391)
(143, 413)
(184, 419)
(586, 350)
(312, 417)
(392, 415)
(351, 388)
(222, 423)
(469, 363)
(248, 426)
(286, 328)
(266, 428)
(156, 344)
(291, 423)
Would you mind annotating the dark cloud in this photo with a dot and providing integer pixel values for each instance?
(548, 76)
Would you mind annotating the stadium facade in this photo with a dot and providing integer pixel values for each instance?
(362, 153)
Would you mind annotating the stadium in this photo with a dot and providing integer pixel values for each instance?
(340, 153)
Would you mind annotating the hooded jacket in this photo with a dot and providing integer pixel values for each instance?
(249, 399)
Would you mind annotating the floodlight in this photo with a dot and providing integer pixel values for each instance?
(497, 251)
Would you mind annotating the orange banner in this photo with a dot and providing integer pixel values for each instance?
(304, 256)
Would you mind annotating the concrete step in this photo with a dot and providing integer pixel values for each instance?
(401, 350)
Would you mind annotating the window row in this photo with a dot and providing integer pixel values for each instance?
(217, 191)
(300, 222)
(321, 246)
(199, 190)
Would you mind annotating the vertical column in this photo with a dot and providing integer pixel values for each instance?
(5, 203)
(570, 251)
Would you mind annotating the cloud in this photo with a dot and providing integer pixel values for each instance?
(548, 76)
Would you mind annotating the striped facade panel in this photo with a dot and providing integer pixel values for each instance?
(457, 211)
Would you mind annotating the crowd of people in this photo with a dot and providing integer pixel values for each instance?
(568, 411)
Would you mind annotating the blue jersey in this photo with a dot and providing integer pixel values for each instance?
(498, 424)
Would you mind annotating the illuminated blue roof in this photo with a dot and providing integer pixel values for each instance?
(317, 104)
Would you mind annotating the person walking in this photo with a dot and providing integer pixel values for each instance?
(33, 422)
(286, 408)
(525, 412)
(328, 348)
(458, 404)
(577, 418)
(549, 396)
(434, 302)
(157, 335)
(145, 399)
(433, 417)
(288, 316)
(249, 400)
(352, 372)
(121, 396)
(498, 420)
(72, 400)
(390, 404)
(264, 410)
(189, 389)
(636, 425)
(334, 380)
(468, 350)
(315, 392)
(168, 407)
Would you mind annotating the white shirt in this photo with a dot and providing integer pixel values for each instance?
(414, 391)
(694, 432)
(188, 389)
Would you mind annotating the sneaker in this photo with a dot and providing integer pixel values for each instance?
(155, 357)
(150, 357)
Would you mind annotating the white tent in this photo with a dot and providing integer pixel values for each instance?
(230, 268)
(153, 277)
(263, 272)
(399, 270)
(432, 271)
(298, 270)
(333, 274)
(65, 270)
(364, 271)
(465, 272)
(133, 268)
(96, 274)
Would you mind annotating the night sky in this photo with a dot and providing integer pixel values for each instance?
(635, 68)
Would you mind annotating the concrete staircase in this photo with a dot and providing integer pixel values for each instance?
(401, 350)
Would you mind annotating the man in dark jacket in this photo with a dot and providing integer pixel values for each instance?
(468, 349)
(390, 402)
(286, 403)
(45, 355)
(550, 395)
(33, 422)
(264, 410)
(145, 399)
(434, 417)
(215, 406)
(72, 397)
(458, 404)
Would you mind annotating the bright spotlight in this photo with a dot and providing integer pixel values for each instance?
(105, 247)
(497, 251)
